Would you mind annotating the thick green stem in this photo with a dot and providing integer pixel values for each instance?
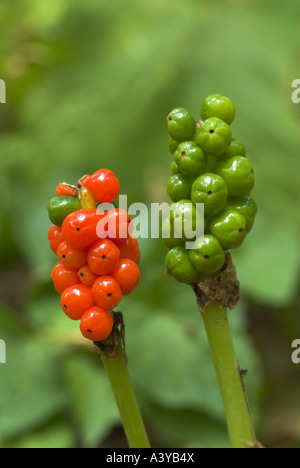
(231, 385)
(125, 397)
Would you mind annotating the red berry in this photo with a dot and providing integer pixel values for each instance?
(76, 299)
(107, 292)
(116, 225)
(86, 276)
(103, 185)
(71, 257)
(55, 237)
(80, 228)
(131, 250)
(63, 277)
(96, 324)
(83, 180)
(65, 190)
(127, 274)
(103, 257)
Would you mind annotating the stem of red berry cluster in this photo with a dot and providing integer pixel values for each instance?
(116, 368)
(130, 414)
(230, 378)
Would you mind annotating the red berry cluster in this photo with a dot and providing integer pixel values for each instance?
(98, 264)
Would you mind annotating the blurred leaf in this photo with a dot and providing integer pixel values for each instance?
(55, 435)
(32, 390)
(176, 370)
(268, 265)
(91, 398)
(196, 429)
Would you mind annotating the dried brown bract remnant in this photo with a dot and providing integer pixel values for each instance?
(223, 289)
(109, 346)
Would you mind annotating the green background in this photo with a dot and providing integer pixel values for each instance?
(89, 85)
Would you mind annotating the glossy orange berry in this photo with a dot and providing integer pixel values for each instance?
(66, 190)
(86, 276)
(70, 256)
(103, 257)
(106, 292)
(103, 184)
(116, 226)
(96, 324)
(76, 299)
(80, 228)
(127, 274)
(83, 180)
(130, 249)
(55, 237)
(63, 277)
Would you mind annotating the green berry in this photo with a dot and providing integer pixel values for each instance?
(173, 145)
(246, 206)
(207, 255)
(219, 106)
(181, 125)
(179, 265)
(211, 190)
(168, 235)
(229, 228)
(214, 136)
(187, 222)
(190, 159)
(60, 207)
(236, 148)
(179, 187)
(174, 168)
(238, 175)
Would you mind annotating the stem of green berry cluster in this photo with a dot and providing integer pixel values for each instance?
(235, 401)
(130, 414)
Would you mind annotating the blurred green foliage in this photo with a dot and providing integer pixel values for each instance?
(89, 85)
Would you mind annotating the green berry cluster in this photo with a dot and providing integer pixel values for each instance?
(210, 167)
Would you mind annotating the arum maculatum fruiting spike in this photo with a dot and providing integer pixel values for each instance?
(97, 266)
(210, 168)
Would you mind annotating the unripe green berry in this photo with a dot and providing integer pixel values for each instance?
(238, 175)
(173, 145)
(236, 148)
(179, 187)
(186, 220)
(207, 255)
(179, 265)
(181, 125)
(190, 159)
(211, 190)
(219, 106)
(60, 207)
(214, 136)
(229, 228)
(174, 168)
(246, 206)
(168, 235)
